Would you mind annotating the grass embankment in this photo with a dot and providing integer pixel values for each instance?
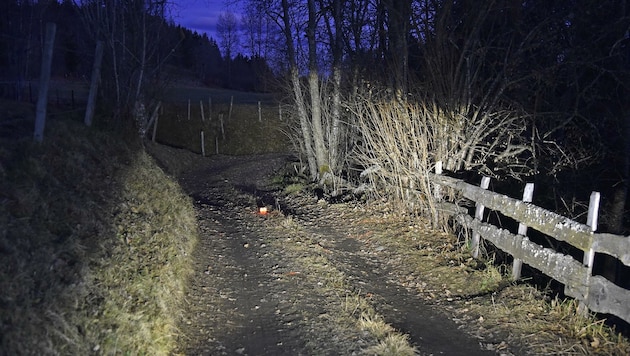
(94, 242)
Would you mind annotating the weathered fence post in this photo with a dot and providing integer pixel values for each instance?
(96, 75)
(517, 264)
(44, 80)
(203, 146)
(280, 111)
(591, 220)
(437, 192)
(154, 115)
(154, 128)
(485, 183)
(259, 113)
(589, 256)
(222, 128)
(231, 103)
(188, 109)
(202, 114)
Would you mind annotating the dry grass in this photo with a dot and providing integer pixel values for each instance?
(397, 153)
(546, 325)
(480, 295)
(94, 242)
(144, 281)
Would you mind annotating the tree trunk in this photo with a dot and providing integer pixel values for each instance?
(297, 94)
(321, 154)
(398, 12)
(334, 140)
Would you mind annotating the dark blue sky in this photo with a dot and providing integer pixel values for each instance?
(199, 15)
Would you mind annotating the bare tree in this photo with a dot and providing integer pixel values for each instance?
(257, 31)
(133, 34)
(228, 32)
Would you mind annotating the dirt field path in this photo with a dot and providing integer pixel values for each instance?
(276, 284)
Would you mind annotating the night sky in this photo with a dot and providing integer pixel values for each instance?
(199, 15)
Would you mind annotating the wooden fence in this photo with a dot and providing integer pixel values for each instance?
(593, 291)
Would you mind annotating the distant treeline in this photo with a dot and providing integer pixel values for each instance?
(181, 53)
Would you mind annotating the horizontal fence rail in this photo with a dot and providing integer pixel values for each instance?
(593, 291)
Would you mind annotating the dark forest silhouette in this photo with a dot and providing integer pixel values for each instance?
(22, 25)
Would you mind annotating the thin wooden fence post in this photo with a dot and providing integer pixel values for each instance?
(437, 191)
(517, 264)
(231, 104)
(203, 146)
(188, 109)
(259, 113)
(96, 75)
(44, 80)
(216, 144)
(589, 256)
(202, 114)
(280, 111)
(222, 127)
(154, 116)
(479, 208)
(591, 220)
(155, 128)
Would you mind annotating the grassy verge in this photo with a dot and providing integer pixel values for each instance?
(94, 242)
(479, 294)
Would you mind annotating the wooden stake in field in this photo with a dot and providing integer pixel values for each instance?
(231, 102)
(202, 115)
(42, 99)
(154, 129)
(188, 109)
(203, 146)
(96, 74)
(222, 128)
(259, 113)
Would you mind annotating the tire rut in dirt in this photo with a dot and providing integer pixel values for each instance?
(431, 331)
(254, 317)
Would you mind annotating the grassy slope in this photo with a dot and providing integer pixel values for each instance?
(94, 240)
(243, 132)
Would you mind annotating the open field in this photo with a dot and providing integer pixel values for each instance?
(228, 129)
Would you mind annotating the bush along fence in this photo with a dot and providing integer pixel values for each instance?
(594, 292)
